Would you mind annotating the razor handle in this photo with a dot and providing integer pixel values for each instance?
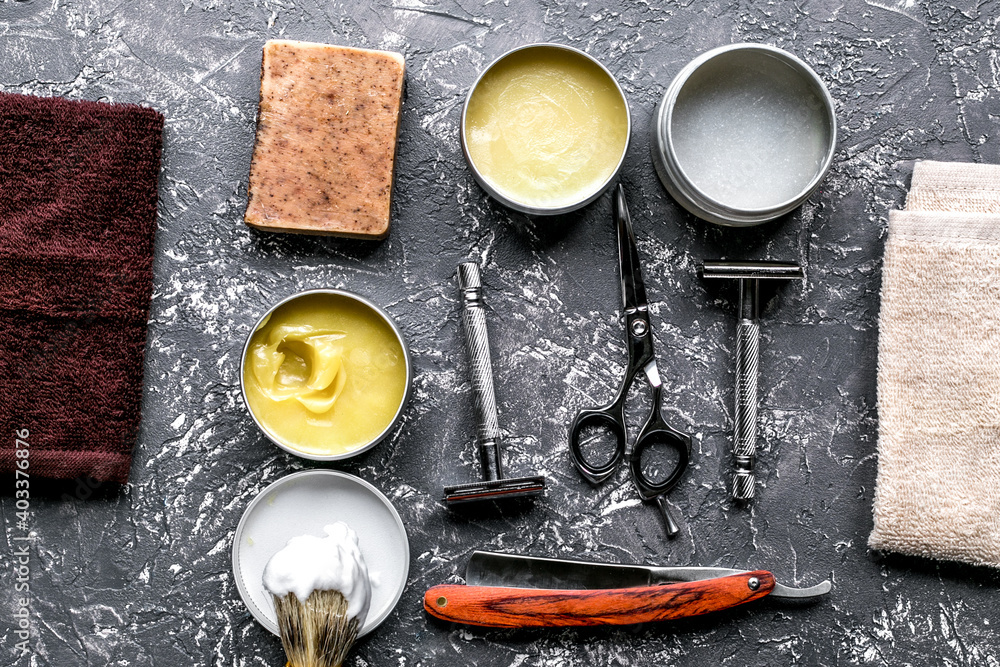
(748, 276)
(745, 413)
(477, 344)
(501, 607)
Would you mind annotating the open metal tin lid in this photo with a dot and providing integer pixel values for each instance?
(792, 113)
(303, 503)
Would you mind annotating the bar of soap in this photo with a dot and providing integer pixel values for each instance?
(326, 140)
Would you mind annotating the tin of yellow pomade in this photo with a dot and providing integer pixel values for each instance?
(545, 129)
(325, 374)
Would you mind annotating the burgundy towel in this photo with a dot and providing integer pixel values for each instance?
(77, 217)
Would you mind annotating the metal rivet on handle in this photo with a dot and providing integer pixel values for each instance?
(752, 582)
(442, 601)
(639, 328)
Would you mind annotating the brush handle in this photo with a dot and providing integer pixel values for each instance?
(477, 343)
(499, 607)
(745, 415)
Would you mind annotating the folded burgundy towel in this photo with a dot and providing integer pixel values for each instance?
(78, 192)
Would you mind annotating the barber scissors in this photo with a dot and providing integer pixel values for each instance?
(641, 359)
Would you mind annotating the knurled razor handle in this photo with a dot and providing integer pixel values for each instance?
(477, 344)
(745, 418)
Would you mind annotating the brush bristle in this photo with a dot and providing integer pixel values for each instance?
(317, 632)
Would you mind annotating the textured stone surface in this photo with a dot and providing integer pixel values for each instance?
(141, 576)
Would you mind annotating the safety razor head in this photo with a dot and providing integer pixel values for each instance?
(497, 489)
(751, 270)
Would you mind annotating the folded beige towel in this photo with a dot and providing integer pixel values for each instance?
(955, 187)
(938, 488)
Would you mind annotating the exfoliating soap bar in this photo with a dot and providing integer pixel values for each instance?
(326, 140)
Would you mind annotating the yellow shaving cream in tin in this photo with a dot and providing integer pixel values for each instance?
(324, 374)
(546, 126)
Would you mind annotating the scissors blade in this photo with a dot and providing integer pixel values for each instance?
(633, 289)
(652, 374)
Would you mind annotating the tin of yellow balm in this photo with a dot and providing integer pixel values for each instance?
(545, 129)
(325, 374)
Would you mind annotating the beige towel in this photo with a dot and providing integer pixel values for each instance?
(938, 488)
(955, 187)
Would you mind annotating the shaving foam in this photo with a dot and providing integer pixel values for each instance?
(309, 563)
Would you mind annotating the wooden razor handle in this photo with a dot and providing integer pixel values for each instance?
(499, 607)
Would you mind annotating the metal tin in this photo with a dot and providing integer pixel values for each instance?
(528, 208)
(302, 504)
(402, 404)
(680, 185)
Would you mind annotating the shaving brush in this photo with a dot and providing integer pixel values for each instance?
(317, 632)
(321, 592)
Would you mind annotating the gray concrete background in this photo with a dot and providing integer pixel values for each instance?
(141, 575)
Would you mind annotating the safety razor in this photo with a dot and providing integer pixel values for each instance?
(749, 275)
(494, 486)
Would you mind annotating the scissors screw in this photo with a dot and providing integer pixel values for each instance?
(753, 583)
(639, 328)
